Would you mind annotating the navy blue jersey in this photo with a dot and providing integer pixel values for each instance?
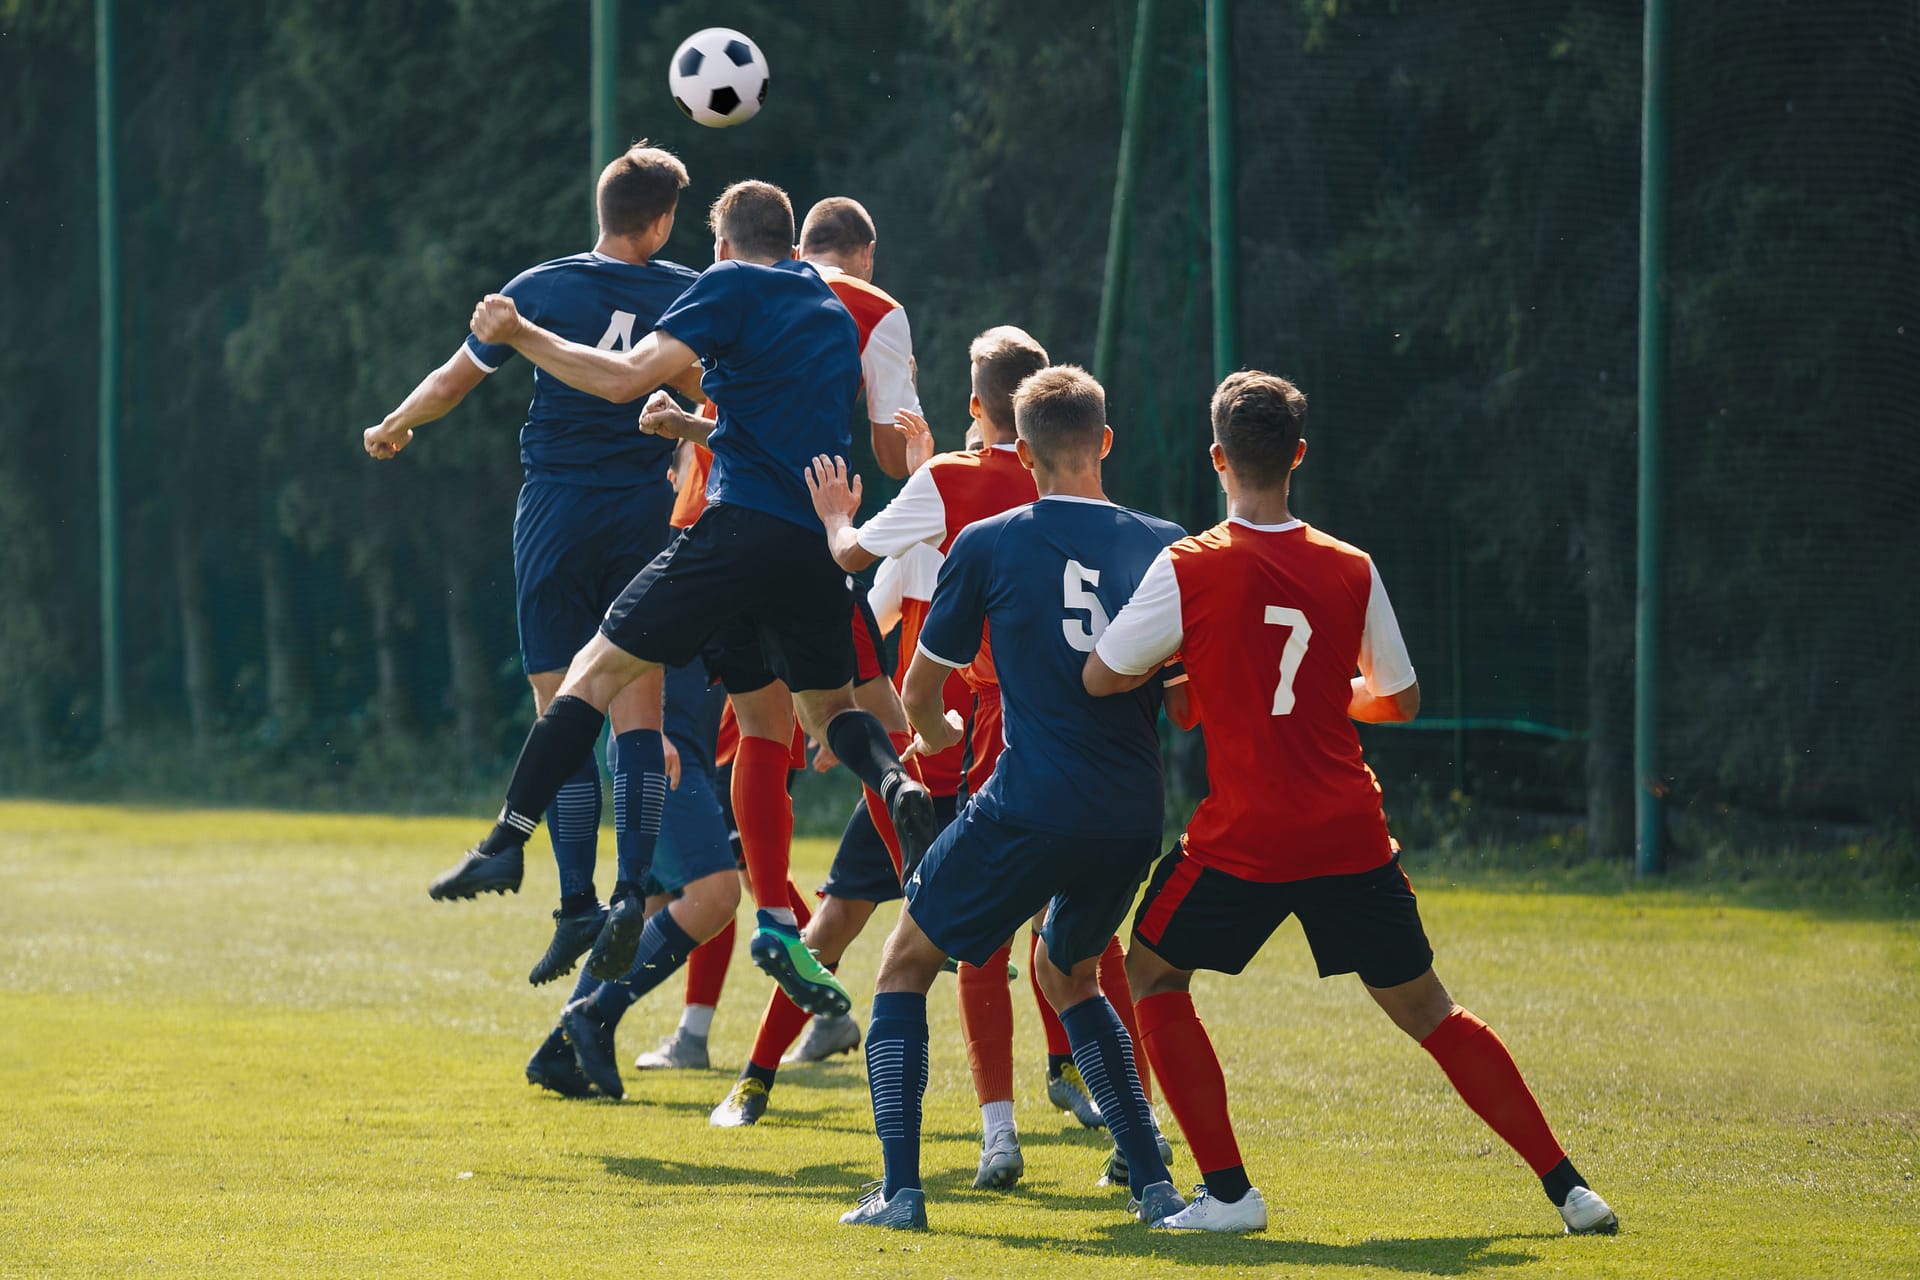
(1045, 579)
(782, 358)
(573, 436)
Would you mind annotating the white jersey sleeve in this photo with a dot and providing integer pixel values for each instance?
(887, 593)
(1148, 630)
(917, 514)
(887, 365)
(1384, 662)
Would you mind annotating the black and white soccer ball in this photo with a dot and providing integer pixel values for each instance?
(718, 77)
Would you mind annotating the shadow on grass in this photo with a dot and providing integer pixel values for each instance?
(1428, 1255)
(838, 1181)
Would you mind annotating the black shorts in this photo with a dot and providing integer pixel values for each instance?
(758, 597)
(984, 878)
(862, 868)
(1196, 917)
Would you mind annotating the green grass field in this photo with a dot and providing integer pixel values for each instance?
(248, 1044)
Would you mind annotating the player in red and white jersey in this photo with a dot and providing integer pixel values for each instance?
(1271, 618)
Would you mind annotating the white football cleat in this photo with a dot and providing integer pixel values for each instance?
(1204, 1213)
(1586, 1214)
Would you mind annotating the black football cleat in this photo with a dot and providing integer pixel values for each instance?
(618, 939)
(552, 1068)
(572, 935)
(478, 873)
(592, 1045)
(911, 808)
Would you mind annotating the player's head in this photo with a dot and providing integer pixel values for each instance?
(639, 192)
(1061, 415)
(1003, 357)
(976, 438)
(1257, 424)
(754, 221)
(838, 230)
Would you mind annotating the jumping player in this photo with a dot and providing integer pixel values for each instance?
(592, 513)
(1072, 813)
(751, 584)
(1266, 602)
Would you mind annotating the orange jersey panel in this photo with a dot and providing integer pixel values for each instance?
(1288, 795)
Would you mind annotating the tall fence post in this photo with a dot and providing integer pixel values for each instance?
(113, 706)
(1649, 853)
(1220, 188)
(1120, 222)
(606, 63)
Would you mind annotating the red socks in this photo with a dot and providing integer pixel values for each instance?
(877, 808)
(780, 1025)
(1057, 1046)
(986, 1021)
(764, 813)
(1483, 1071)
(707, 968)
(1113, 985)
(1190, 1077)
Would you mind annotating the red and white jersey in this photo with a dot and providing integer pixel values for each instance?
(901, 595)
(886, 369)
(1271, 622)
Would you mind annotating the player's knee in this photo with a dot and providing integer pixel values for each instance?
(1149, 975)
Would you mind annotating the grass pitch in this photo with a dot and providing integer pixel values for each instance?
(248, 1044)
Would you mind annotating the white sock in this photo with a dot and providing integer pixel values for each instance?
(697, 1020)
(781, 915)
(997, 1117)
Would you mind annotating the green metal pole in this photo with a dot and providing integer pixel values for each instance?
(1649, 855)
(1120, 223)
(606, 63)
(1220, 188)
(113, 707)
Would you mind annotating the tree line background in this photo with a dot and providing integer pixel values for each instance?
(1438, 211)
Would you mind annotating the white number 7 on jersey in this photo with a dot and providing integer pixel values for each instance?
(1301, 631)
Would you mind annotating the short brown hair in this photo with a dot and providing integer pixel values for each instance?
(1003, 357)
(837, 224)
(1061, 412)
(638, 188)
(1258, 418)
(756, 218)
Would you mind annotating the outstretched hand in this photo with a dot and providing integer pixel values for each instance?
(835, 495)
(920, 447)
(495, 319)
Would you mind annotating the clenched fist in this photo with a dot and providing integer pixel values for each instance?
(495, 319)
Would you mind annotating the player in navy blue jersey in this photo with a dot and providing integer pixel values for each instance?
(593, 511)
(1072, 814)
(751, 585)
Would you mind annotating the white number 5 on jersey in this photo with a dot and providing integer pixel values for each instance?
(1077, 588)
(1300, 631)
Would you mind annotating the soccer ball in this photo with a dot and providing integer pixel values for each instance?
(718, 77)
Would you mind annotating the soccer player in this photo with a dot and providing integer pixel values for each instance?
(1265, 602)
(693, 879)
(751, 585)
(1072, 813)
(592, 513)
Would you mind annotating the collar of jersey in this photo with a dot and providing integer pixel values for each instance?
(1010, 448)
(1074, 497)
(1268, 528)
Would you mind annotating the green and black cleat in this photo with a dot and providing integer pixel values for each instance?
(478, 873)
(783, 957)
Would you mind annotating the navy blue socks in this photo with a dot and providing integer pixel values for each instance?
(574, 827)
(897, 1079)
(639, 795)
(664, 947)
(1104, 1053)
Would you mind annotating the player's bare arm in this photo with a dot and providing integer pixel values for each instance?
(1103, 681)
(435, 397)
(618, 376)
(1371, 708)
(836, 500)
(923, 696)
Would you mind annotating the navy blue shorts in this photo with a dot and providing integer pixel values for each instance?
(862, 868)
(985, 878)
(1368, 923)
(757, 597)
(574, 548)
